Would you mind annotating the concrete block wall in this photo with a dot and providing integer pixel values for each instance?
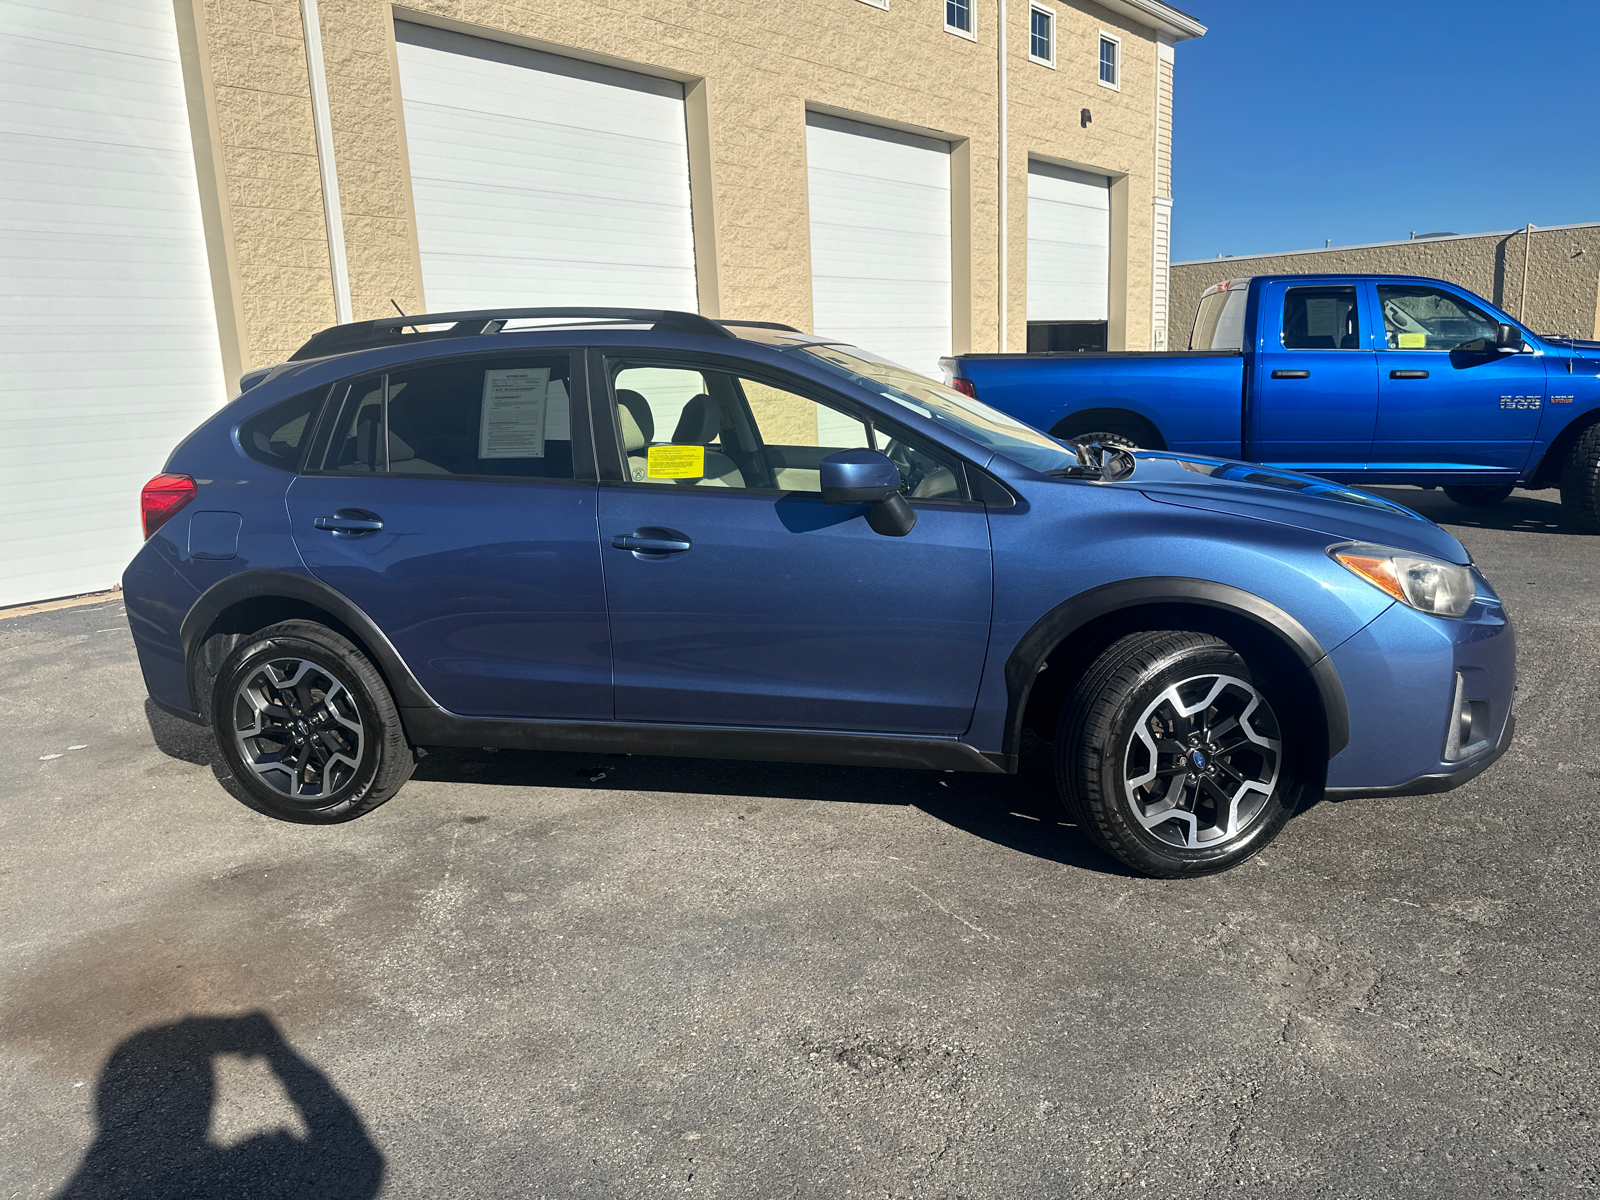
(751, 72)
(1563, 273)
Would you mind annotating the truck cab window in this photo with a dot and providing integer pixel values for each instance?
(1219, 324)
(1425, 318)
(1320, 318)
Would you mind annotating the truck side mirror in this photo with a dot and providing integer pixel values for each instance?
(1508, 339)
(868, 477)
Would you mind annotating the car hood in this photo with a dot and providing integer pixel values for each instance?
(1288, 498)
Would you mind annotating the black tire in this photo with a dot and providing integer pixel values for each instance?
(325, 749)
(1580, 482)
(1478, 497)
(1103, 438)
(1120, 694)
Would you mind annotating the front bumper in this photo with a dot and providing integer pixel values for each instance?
(1428, 785)
(1404, 676)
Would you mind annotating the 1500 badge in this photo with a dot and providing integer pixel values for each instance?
(1520, 401)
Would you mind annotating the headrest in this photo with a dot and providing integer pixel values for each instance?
(636, 404)
(633, 437)
(399, 449)
(699, 424)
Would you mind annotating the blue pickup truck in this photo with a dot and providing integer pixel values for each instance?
(1367, 379)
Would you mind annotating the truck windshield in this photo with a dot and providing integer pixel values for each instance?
(984, 425)
(1219, 323)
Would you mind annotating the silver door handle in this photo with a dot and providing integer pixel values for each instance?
(346, 523)
(650, 545)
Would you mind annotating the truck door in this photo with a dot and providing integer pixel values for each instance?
(1450, 403)
(1316, 384)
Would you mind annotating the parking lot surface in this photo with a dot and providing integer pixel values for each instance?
(589, 976)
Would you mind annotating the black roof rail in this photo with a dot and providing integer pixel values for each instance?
(388, 331)
(759, 325)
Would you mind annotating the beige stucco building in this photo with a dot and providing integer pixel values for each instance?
(194, 187)
(1548, 277)
(749, 76)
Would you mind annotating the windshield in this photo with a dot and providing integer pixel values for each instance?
(948, 407)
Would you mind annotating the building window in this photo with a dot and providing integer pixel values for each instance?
(958, 18)
(1111, 61)
(1042, 35)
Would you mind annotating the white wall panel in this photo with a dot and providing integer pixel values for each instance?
(541, 180)
(1069, 244)
(880, 240)
(108, 348)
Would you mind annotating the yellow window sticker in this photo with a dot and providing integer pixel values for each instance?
(1413, 341)
(676, 462)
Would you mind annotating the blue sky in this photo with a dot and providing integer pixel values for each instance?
(1364, 121)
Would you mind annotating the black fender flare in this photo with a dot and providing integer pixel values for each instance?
(1050, 630)
(276, 584)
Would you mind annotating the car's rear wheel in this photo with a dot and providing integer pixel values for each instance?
(1580, 482)
(308, 726)
(1171, 757)
(1478, 497)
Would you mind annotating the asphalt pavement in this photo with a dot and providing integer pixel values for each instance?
(565, 976)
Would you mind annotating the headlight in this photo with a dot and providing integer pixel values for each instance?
(1428, 585)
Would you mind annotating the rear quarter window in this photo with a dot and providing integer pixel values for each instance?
(278, 435)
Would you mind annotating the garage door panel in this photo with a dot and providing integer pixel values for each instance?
(584, 202)
(1069, 244)
(880, 239)
(100, 216)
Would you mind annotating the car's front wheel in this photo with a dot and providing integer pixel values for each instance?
(1171, 757)
(308, 726)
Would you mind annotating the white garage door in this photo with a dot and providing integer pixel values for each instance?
(541, 180)
(108, 346)
(880, 239)
(1069, 244)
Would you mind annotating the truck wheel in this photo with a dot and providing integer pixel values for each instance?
(308, 726)
(1171, 758)
(1580, 482)
(1478, 497)
(1104, 439)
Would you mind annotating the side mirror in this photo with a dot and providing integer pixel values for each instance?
(1508, 340)
(868, 477)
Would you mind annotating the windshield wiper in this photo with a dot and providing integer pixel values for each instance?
(1077, 471)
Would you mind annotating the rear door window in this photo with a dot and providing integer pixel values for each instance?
(1321, 318)
(500, 417)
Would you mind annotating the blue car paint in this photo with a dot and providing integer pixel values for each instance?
(849, 631)
(1482, 419)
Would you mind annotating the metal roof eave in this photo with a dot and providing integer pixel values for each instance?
(1162, 17)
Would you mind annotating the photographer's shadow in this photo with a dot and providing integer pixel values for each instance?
(154, 1106)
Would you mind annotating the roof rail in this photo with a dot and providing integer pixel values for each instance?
(758, 325)
(389, 331)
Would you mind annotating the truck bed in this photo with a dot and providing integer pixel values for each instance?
(1190, 395)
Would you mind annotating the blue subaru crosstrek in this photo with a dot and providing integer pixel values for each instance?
(653, 533)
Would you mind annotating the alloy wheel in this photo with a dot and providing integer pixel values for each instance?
(1203, 761)
(298, 728)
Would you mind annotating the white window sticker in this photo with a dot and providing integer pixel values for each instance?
(512, 423)
(1322, 317)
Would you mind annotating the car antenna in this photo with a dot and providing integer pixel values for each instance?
(401, 311)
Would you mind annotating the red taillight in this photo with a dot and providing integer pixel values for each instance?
(964, 386)
(163, 496)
